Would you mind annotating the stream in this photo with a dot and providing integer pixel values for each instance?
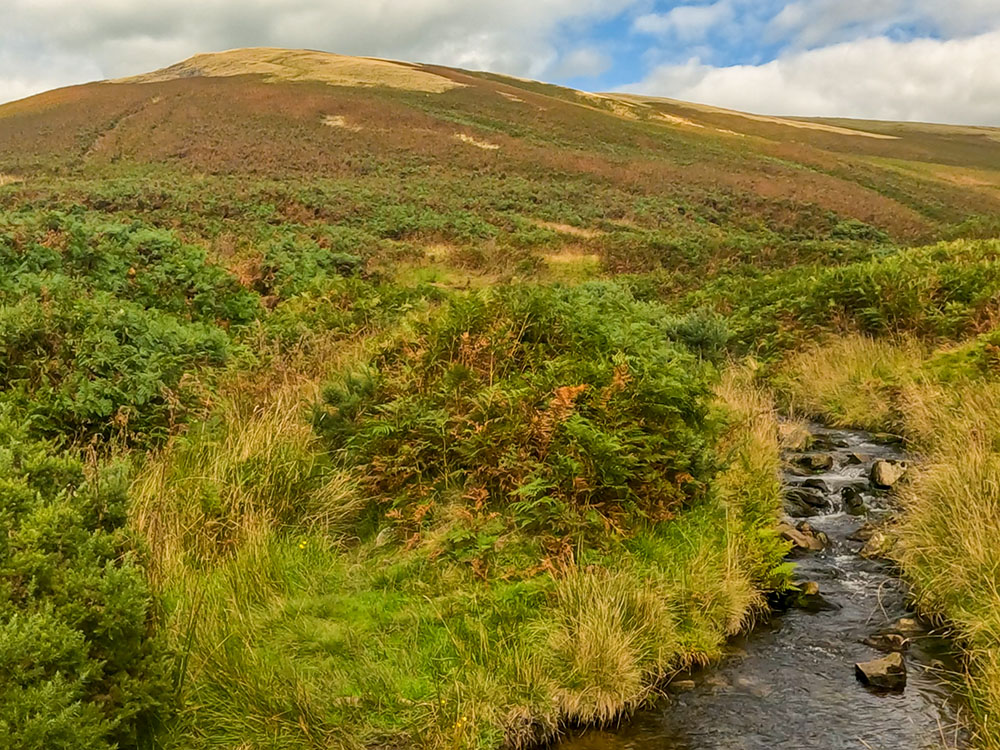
(791, 682)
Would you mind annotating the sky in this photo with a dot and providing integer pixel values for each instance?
(929, 60)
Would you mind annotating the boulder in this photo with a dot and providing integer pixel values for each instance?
(884, 474)
(887, 642)
(810, 599)
(815, 483)
(887, 673)
(801, 541)
(681, 686)
(854, 502)
(803, 502)
(815, 461)
(907, 627)
(804, 527)
(794, 437)
(854, 458)
(828, 442)
(863, 533)
(879, 546)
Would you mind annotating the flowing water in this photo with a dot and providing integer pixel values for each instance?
(791, 682)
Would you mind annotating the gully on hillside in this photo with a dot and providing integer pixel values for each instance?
(848, 665)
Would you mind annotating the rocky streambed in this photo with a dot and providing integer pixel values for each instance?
(847, 664)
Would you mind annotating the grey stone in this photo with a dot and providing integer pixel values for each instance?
(887, 673)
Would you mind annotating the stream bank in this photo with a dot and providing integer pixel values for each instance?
(793, 682)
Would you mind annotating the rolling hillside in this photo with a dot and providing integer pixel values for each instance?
(276, 113)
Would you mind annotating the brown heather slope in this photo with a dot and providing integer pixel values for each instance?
(280, 113)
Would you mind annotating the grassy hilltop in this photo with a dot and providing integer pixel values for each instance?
(356, 403)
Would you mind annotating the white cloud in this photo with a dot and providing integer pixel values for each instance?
(686, 22)
(955, 81)
(48, 71)
(108, 38)
(810, 23)
(582, 62)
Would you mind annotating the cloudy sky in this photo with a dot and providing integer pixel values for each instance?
(935, 60)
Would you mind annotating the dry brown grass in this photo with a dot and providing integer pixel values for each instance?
(677, 120)
(801, 124)
(301, 65)
(582, 232)
(853, 381)
(339, 121)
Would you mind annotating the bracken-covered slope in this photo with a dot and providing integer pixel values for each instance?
(271, 112)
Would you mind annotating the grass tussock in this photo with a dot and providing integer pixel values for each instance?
(851, 381)
(949, 533)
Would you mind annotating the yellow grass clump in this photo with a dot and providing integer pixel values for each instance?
(339, 121)
(472, 141)
(852, 381)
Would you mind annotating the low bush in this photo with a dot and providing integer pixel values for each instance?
(80, 367)
(79, 666)
(105, 327)
(942, 291)
(565, 409)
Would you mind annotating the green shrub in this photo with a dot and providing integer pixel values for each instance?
(942, 291)
(853, 229)
(102, 324)
(562, 409)
(702, 331)
(292, 266)
(150, 267)
(82, 366)
(79, 668)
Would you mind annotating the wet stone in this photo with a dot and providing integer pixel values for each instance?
(794, 437)
(682, 686)
(815, 483)
(815, 461)
(884, 474)
(887, 642)
(803, 502)
(806, 528)
(887, 673)
(810, 599)
(879, 546)
(853, 500)
(907, 626)
(801, 541)
(828, 442)
(863, 533)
